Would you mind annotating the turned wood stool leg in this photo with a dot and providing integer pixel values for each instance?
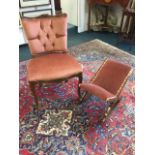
(40, 85)
(83, 97)
(80, 81)
(32, 88)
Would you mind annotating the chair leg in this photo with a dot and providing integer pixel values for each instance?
(80, 81)
(40, 85)
(32, 87)
(83, 97)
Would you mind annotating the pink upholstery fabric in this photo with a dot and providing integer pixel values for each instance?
(52, 67)
(112, 75)
(46, 34)
(97, 90)
(47, 39)
(109, 80)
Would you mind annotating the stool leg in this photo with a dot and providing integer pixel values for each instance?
(83, 97)
(32, 88)
(80, 81)
(111, 106)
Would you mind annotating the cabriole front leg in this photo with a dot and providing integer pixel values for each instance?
(32, 88)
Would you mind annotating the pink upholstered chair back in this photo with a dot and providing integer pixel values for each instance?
(113, 76)
(46, 33)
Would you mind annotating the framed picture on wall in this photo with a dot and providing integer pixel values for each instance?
(37, 13)
(29, 3)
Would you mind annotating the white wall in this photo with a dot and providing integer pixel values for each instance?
(77, 11)
(71, 8)
(82, 15)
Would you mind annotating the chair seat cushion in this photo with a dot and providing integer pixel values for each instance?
(98, 91)
(52, 67)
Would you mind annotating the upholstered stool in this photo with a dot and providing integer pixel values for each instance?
(108, 81)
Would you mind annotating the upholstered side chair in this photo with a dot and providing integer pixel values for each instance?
(108, 82)
(47, 40)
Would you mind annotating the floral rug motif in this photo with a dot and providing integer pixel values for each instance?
(115, 136)
(55, 123)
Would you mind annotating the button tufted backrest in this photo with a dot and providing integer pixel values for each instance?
(46, 33)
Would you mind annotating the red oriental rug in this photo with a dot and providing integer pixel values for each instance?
(59, 133)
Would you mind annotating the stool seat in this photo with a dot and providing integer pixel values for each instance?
(99, 91)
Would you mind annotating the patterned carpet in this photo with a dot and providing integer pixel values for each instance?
(62, 132)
